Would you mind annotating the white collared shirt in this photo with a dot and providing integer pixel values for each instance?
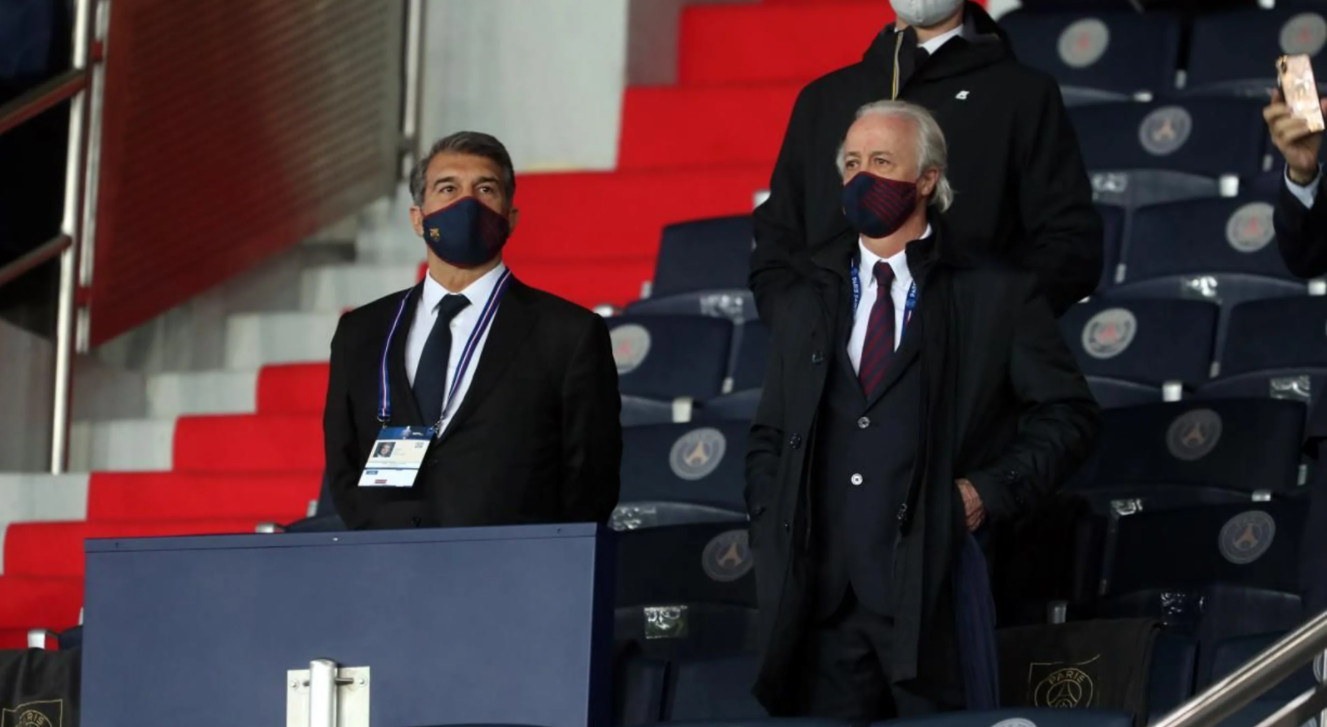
(462, 326)
(1305, 193)
(898, 290)
(933, 45)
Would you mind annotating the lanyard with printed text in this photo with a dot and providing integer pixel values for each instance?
(467, 354)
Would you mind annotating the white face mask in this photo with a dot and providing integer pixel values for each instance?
(924, 13)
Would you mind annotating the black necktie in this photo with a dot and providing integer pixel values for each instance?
(431, 374)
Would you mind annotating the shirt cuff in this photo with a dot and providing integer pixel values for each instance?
(1305, 193)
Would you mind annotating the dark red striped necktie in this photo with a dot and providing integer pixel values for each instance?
(878, 349)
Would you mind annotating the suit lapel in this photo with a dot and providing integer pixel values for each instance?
(405, 410)
(907, 351)
(511, 325)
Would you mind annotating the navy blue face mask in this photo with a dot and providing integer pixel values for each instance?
(466, 233)
(876, 206)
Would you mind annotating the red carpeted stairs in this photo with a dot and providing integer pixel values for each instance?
(701, 148)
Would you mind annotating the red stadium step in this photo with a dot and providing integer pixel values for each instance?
(46, 602)
(745, 43)
(182, 496)
(292, 388)
(56, 548)
(590, 282)
(587, 216)
(249, 443)
(683, 126)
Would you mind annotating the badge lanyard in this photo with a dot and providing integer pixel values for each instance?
(467, 353)
(908, 306)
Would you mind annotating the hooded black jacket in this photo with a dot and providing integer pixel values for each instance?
(1022, 192)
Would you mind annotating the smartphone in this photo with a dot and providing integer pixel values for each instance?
(1300, 90)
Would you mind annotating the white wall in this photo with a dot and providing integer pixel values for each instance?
(544, 76)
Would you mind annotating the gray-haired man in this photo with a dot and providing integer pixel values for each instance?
(911, 398)
(481, 400)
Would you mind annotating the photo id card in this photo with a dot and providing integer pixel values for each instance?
(396, 457)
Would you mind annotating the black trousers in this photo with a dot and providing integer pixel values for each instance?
(844, 671)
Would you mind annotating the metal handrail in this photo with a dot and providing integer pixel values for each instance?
(1255, 678)
(42, 98)
(44, 253)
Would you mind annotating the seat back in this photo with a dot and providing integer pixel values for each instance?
(753, 350)
(1233, 52)
(1244, 445)
(1143, 341)
(667, 356)
(1102, 55)
(704, 254)
(682, 564)
(1276, 334)
(1020, 718)
(1174, 668)
(1191, 237)
(735, 304)
(1099, 664)
(739, 406)
(713, 689)
(1112, 242)
(670, 470)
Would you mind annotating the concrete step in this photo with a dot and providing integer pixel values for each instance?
(121, 445)
(174, 394)
(255, 340)
(334, 288)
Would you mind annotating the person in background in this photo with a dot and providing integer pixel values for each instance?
(1301, 234)
(1021, 191)
(507, 394)
(911, 399)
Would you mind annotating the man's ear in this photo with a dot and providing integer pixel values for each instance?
(928, 182)
(513, 217)
(417, 219)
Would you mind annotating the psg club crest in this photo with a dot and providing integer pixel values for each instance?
(1305, 33)
(727, 557)
(696, 454)
(1109, 333)
(1250, 227)
(1063, 686)
(631, 344)
(1165, 130)
(1194, 434)
(1084, 42)
(1246, 537)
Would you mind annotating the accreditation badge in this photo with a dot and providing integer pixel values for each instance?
(397, 456)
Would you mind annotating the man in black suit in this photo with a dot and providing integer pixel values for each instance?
(1301, 234)
(518, 386)
(911, 398)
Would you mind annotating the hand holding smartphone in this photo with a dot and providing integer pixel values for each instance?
(1300, 90)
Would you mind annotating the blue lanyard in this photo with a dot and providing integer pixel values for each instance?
(467, 354)
(908, 306)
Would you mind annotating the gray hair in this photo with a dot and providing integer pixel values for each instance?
(474, 143)
(932, 150)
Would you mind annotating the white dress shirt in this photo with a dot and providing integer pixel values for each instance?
(426, 312)
(898, 290)
(933, 45)
(1306, 193)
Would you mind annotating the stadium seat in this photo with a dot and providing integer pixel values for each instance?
(39, 601)
(752, 358)
(1112, 242)
(1182, 453)
(1233, 53)
(686, 590)
(55, 548)
(178, 495)
(680, 473)
(667, 356)
(1250, 545)
(1141, 154)
(638, 688)
(713, 689)
(736, 304)
(1020, 718)
(738, 406)
(1210, 614)
(1288, 333)
(690, 125)
(1106, 56)
(1174, 666)
(1229, 655)
(1141, 342)
(641, 412)
(1204, 237)
(710, 254)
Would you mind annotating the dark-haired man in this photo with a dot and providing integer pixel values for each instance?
(500, 400)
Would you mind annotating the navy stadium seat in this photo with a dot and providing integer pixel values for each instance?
(1249, 545)
(1212, 236)
(1174, 668)
(737, 305)
(713, 689)
(638, 688)
(640, 412)
(1105, 56)
(710, 254)
(1020, 718)
(681, 473)
(1183, 453)
(1165, 151)
(667, 356)
(752, 357)
(1274, 348)
(1112, 242)
(1229, 655)
(738, 406)
(1234, 52)
(1145, 343)
(1211, 614)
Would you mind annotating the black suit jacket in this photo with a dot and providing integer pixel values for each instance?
(1003, 404)
(1301, 233)
(536, 438)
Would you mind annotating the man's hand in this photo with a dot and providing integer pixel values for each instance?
(973, 511)
(1291, 135)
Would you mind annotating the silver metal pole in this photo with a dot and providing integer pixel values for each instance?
(69, 225)
(1254, 678)
(414, 65)
(322, 693)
